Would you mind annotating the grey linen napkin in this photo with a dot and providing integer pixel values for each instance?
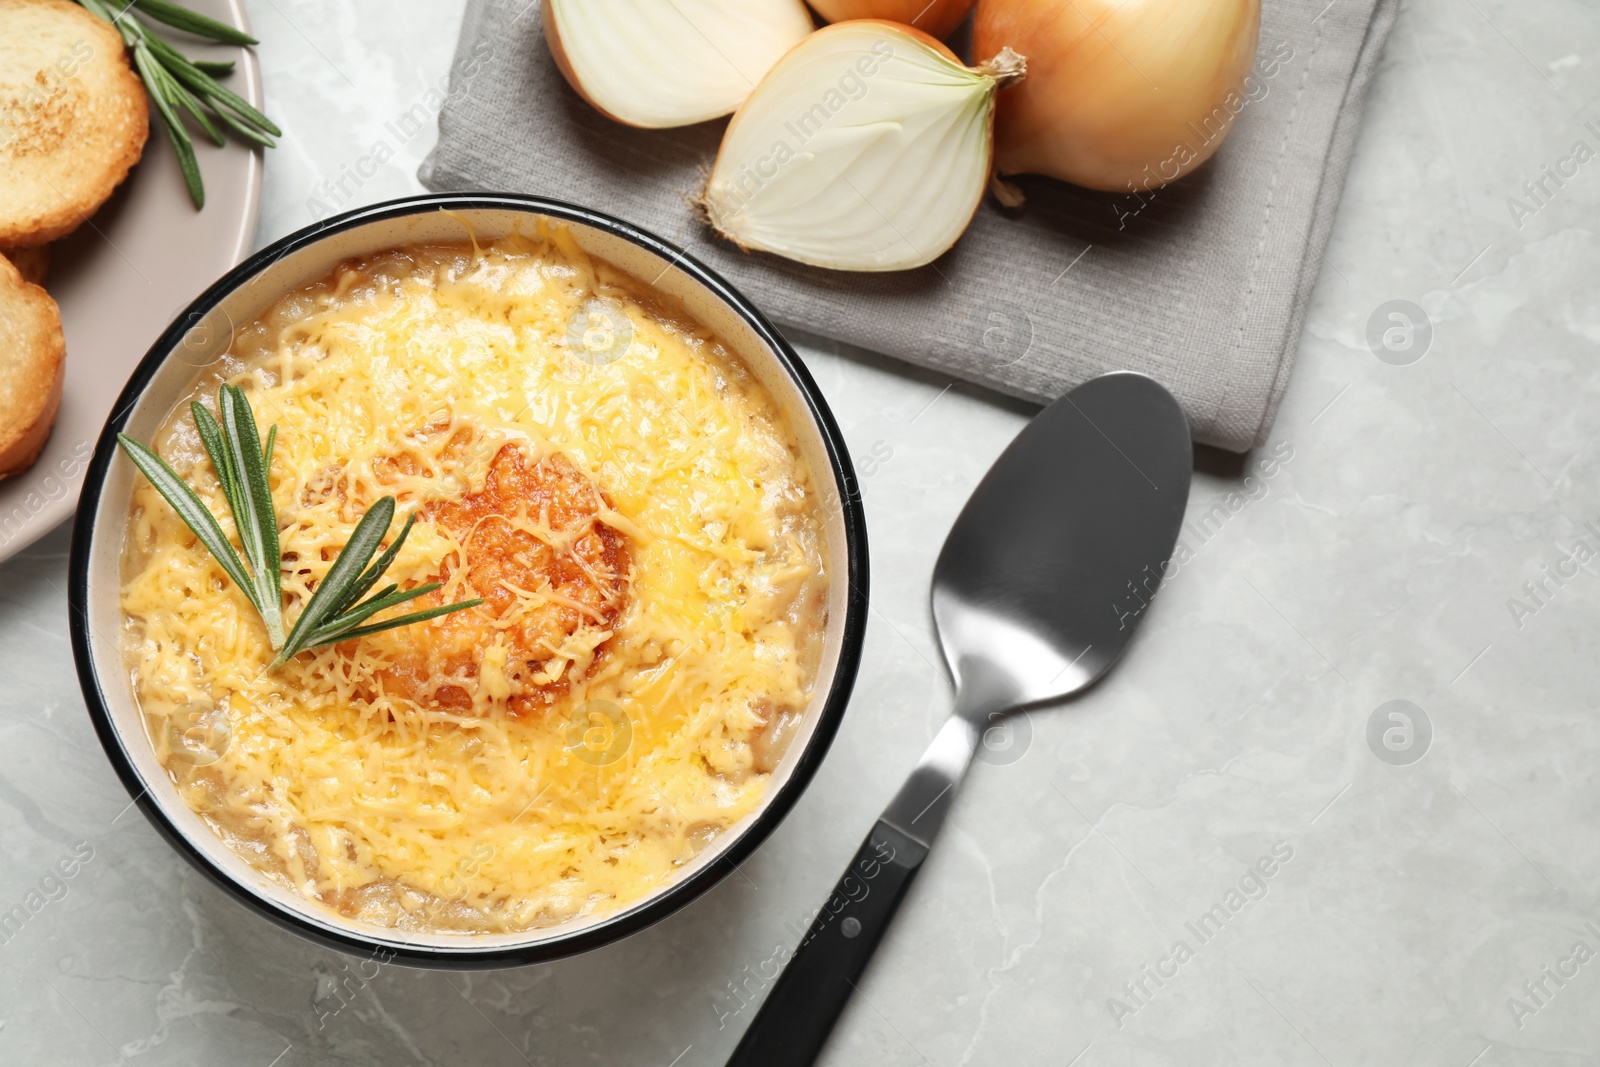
(1202, 285)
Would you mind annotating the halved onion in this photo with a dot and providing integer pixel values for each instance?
(657, 64)
(867, 147)
(1120, 94)
(937, 18)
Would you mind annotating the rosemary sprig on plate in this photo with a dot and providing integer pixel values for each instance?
(178, 85)
(336, 611)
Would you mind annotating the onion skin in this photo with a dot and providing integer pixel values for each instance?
(1091, 112)
(937, 18)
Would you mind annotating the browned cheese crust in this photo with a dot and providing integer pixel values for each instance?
(540, 588)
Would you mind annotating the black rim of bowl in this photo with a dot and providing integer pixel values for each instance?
(631, 919)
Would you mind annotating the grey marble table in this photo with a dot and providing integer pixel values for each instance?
(1418, 530)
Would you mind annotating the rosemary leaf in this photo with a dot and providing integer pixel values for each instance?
(244, 442)
(175, 131)
(243, 505)
(364, 541)
(190, 508)
(391, 598)
(395, 623)
(181, 18)
(347, 617)
(237, 126)
(184, 99)
(359, 587)
(217, 450)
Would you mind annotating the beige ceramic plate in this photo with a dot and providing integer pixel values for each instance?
(125, 275)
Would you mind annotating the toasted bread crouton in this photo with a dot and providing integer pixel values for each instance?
(73, 118)
(32, 365)
(32, 260)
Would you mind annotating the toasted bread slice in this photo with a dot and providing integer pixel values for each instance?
(73, 118)
(32, 366)
(33, 261)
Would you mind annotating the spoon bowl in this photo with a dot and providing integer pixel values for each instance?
(1062, 545)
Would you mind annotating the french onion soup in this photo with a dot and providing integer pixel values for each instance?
(614, 496)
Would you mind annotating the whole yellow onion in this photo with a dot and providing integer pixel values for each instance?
(936, 18)
(1120, 94)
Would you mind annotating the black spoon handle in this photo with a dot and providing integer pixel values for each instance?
(793, 1023)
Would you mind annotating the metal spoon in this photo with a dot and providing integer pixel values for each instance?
(1040, 584)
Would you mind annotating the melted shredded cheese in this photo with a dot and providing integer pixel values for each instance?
(419, 817)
